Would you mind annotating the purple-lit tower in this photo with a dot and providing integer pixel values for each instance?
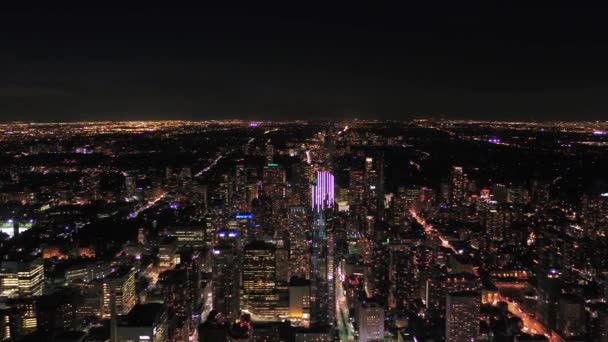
(323, 191)
(322, 264)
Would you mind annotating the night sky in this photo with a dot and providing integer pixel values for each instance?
(441, 59)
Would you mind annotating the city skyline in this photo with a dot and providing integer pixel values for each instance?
(355, 230)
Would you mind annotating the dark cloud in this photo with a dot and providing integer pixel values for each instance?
(490, 60)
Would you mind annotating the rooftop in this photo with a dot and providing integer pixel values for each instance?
(142, 315)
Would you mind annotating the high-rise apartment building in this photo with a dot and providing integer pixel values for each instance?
(458, 182)
(462, 314)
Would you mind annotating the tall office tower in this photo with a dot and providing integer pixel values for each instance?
(226, 275)
(251, 193)
(240, 192)
(21, 278)
(240, 176)
(299, 254)
(259, 294)
(357, 191)
(299, 183)
(372, 182)
(274, 187)
(282, 262)
(273, 179)
(121, 282)
(370, 319)
(497, 221)
(404, 275)
(458, 180)
(462, 315)
(322, 198)
(224, 191)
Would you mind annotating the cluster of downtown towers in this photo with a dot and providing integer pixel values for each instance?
(299, 231)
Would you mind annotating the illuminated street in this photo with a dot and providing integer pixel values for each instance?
(345, 327)
(531, 325)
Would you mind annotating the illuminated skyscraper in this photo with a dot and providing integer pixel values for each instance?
(121, 282)
(299, 254)
(274, 185)
(259, 293)
(372, 185)
(323, 191)
(462, 316)
(321, 269)
(357, 189)
(458, 181)
(226, 274)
